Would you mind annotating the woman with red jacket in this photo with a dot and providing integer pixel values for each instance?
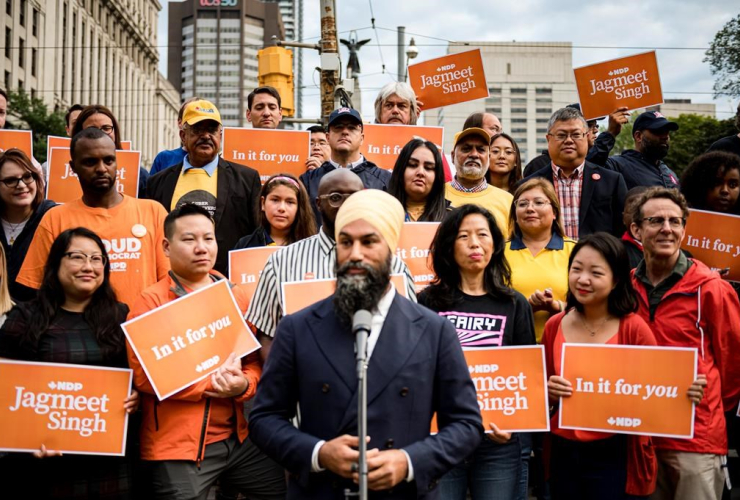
(600, 309)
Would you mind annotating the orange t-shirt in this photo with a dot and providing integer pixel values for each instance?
(132, 232)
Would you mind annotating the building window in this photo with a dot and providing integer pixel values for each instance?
(518, 91)
(543, 91)
(35, 23)
(7, 79)
(8, 42)
(9, 7)
(518, 110)
(21, 52)
(22, 13)
(34, 60)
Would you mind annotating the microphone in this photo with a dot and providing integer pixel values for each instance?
(361, 322)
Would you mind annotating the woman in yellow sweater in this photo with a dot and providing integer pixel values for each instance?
(538, 250)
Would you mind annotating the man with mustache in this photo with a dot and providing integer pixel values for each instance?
(643, 166)
(471, 156)
(132, 229)
(416, 368)
(396, 105)
(591, 197)
(345, 139)
(228, 191)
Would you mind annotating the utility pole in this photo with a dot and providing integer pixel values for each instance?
(401, 52)
(330, 65)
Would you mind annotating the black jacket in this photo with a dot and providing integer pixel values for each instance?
(637, 171)
(598, 154)
(372, 176)
(255, 240)
(236, 203)
(602, 200)
(17, 253)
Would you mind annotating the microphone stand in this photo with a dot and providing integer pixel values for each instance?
(361, 327)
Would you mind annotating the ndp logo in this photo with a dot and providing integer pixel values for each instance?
(218, 3)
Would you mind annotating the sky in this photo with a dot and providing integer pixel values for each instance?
(680, 30)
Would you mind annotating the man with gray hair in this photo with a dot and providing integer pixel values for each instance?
(591, 197)
(396, 105)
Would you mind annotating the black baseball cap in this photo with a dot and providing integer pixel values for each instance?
(342, 112)
(653, 120)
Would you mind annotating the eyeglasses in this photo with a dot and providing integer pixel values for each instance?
(335, 200)
(12, 182)
(79, 259)
(562, 136)
(537, 202)
(107, 128)
(658, 222)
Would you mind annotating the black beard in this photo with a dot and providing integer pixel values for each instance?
(354, 293)
(653, 151)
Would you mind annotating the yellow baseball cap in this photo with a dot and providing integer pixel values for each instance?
(197, 111)
(472, 131)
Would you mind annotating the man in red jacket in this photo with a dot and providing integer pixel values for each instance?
(688, 305)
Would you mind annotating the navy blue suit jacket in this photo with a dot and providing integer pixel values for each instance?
(416, 369)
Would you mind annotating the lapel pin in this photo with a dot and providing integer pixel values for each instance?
(595, 177)
(138, 230)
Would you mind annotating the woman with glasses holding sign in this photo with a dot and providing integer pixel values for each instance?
(74, 320)
(472, 289)
(600, 309)
(418, 182)
(22, 205)
(285, 214)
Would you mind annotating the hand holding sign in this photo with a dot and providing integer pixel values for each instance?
(229, 380)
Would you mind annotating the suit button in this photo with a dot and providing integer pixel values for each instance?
(389, 443)
(404, 391)
(325, 388)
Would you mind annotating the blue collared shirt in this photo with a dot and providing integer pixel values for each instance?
(210, 167)
(555, 243)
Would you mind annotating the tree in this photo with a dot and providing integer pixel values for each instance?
(31, 113)
(694, 136)
(723, 57)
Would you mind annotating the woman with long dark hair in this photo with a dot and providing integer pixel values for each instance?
(473, 280)
(418, 182)
(75, 319)
(284, 212)
(22, 205)
(505, 169)
(712, 182)
(600, 309)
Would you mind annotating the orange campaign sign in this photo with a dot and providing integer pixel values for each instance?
(245, 266)
(184, 341)
(63, 185)
(75, 409)
(511, 385)
(383, 143)
(54, 141)
(126, 145)
(629, 389)
(631, 81)
(413, 249)
(21, 139)
(714, 239)
(450, 79)
(269, 152)
(298, 295)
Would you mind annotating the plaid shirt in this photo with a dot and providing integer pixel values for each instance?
(476, 189)
(568, 190)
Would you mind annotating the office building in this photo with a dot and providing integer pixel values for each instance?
(93, 52)
(676, 107)
(213, 51)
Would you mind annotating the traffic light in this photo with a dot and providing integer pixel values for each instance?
(275, 69)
